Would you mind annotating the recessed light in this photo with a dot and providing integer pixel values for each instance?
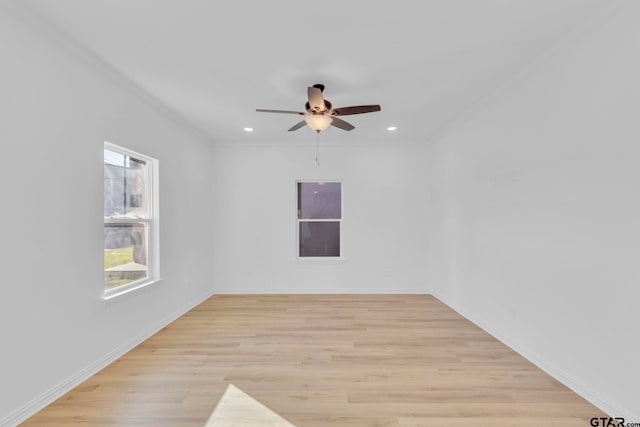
(392, 128)
(248, 129)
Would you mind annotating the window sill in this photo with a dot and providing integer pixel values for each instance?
(117, 292)
(320, 260)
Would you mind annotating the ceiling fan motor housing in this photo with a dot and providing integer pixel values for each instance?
(327, 107)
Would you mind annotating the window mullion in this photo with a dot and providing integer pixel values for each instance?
(125, 220)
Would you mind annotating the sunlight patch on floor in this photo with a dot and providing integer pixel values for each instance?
(236, 408)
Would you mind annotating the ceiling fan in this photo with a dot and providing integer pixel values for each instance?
(320, 113)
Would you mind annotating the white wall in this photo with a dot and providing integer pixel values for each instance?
(56, 110)
(539, 221)
(383, 230)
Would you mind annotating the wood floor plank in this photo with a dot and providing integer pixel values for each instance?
(323, 360)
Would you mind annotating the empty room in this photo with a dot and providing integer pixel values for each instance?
(285, 213)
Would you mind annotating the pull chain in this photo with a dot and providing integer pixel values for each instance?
(318, 148)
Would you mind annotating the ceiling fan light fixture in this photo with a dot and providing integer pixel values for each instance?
(318, 122)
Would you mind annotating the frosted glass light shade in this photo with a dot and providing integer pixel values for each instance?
(318, 122)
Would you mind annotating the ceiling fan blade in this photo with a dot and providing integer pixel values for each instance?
(316, 101)
(339, 123)
(359, 109)
(297, 126)
(279, 111)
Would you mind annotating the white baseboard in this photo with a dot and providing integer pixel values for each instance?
(31, 408)
(578, 387)
(320, 292)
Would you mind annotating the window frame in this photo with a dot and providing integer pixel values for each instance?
(151, 223)
(298, 220)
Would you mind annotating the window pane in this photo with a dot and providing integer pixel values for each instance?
(125, 254)
(124, 185)
(319, 239)
(319, 200)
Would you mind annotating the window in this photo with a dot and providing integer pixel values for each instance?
(130, 220)
(319, 218)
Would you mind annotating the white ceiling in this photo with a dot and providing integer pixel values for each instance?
(215, 62)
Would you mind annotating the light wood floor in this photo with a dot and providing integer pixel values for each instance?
(336, 360)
